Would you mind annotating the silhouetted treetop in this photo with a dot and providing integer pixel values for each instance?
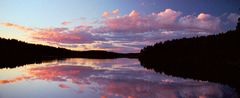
(238, 24)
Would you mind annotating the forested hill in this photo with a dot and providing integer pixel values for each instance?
(14, 52)
(14, 48)
(223, 47)
(198, 49)
(223, 43)
(213, 58)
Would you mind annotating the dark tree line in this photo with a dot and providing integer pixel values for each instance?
(14, 53)
(215, 58)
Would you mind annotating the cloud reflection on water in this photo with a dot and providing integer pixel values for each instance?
(118, 78)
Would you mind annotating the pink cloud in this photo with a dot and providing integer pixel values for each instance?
(105, 14)
(77, 35)
(65, 35)
(12, 80)
(116, 11)
(103, 97)
(19, 27)
(133, 14)
(168, 16)
(63, 86)
(202, 22)
(126, 30)
(126, 23)
(65, 22)
(56, 36)
(165, 20)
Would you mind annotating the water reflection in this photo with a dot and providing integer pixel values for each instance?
(86, 78)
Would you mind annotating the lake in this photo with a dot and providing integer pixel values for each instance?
(105, 78)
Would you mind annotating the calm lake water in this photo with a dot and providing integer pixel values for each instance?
(92, 78)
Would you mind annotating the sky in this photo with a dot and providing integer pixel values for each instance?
(113, 25)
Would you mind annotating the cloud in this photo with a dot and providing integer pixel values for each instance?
(103, 97)
(78, 35)
(116, 11)
(165, 20)
(233, 17)
(12, 80)
(123, 47)
(105, 14)
(125, 24)
(19, 27)
(133, 14)
(168, 16)
(66, 22)
(127, 30)
(201, 23)
(63, 86)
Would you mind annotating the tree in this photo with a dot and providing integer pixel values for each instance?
(238, 24)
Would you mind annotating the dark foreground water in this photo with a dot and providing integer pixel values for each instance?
(113, 78)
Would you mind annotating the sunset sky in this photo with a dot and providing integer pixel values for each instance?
(113, 25)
